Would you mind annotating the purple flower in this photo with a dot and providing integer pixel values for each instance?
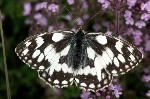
(131, 3)
(38, 16)
(146, 6)
(68, 17)
(28, 21)
(137, 39)
(27, 9)
(42, 21)
(79, 21)
(37, 6)
(147, 45)
(101, 1)
(145, 16)
(140, 24)
(130, 31)
(108, 97)
(117, 93)
(98, 94)
(85, 94)
(84, 5)
(146, 78)
(127, 14)
(148, 93)
(44, 5)
(96, 27)
(105, 4)
(50, 28)
(53, 7)
(129, 21)
(70, 2)
(86, 16)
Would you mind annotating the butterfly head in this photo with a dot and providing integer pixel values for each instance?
(80, 31)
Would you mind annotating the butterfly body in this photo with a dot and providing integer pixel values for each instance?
(90, 60)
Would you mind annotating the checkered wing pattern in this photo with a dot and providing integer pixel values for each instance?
(117, 56)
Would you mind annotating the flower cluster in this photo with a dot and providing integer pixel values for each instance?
(130, 20)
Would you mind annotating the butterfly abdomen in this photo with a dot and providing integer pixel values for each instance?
(77, 49)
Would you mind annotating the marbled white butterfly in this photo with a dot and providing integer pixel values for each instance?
(90, 60)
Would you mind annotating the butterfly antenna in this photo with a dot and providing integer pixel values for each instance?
(91, 18)
(71, 15)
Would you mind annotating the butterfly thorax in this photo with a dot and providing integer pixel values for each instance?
(77, 50)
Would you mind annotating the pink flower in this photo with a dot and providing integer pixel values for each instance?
(129, 21)
(127, 14)
(145, 16)
(147, 45)
(68, 17)
(131, 3)
(50, 28)
(96, 27)
(44, 5)
(70, 2)
(148, 93)
(27, 9)
(105, 4)
(79, 21)
(140, 24)
(53, 7)
(147, 6)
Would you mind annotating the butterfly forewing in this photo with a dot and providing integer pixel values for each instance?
(116, 56)
(41, 51)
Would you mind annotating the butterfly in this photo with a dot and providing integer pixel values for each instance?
(88, 60)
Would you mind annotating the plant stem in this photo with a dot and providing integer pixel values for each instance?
(4, 57)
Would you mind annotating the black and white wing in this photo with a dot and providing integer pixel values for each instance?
(115, 55)
(47, 53)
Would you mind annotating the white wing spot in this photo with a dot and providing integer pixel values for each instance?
(119, 46)
(132, 57)
(77, 80)
(91, 53)
(65, 51)
(101, 39)
(121, 58)
(41, 67)
(114, 72)
(126, 66)
(25, 51)
(27, 43)
(57, 37)
(92, 86)
(58, 67)
(30, 61)
(106, 58)
(56, 81)
(110, 53)
(36, 53)
(64, 82)
(50, 55)
(48, 49)
(116, 62)
(83, 84)
(105, 81)
(130, 49)
(41, 57)
(39, 42)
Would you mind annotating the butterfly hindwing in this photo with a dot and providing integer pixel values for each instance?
(116, 55)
